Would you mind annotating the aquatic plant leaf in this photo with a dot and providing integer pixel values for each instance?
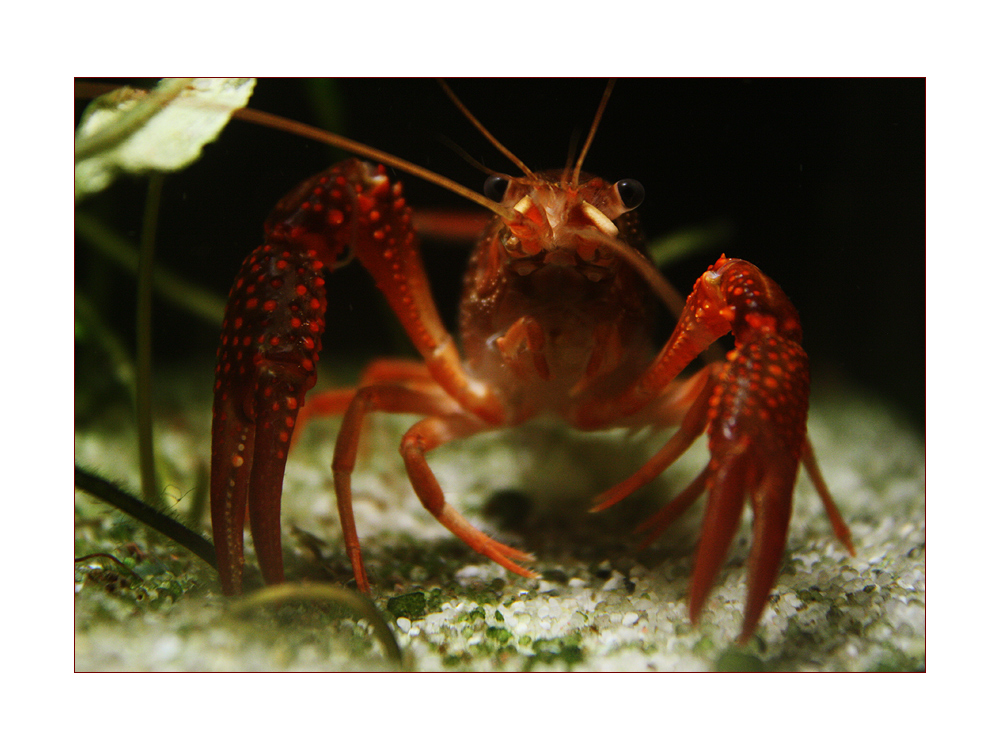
(163, 130)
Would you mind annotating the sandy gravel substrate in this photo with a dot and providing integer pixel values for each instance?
(601, 603)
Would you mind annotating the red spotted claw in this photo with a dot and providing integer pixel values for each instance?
(754, 406)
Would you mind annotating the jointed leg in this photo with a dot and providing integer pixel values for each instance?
(426, 435)
(384, 397)
(335, 402)
(446, 421)
(840, 528)
(697, 391)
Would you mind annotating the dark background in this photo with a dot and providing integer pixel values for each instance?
(820, 181)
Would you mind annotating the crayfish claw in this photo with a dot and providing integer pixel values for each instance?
(726, 484)
(772, 511)
(232, 451)
(250, 441)
(280, 391)
(769, 487)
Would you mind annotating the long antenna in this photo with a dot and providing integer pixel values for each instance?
(482, 129)
(339, 141)
(593, 131)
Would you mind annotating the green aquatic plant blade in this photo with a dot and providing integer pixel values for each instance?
(684, 243)
(126, 502)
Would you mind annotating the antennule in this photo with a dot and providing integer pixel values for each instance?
(482, 129)
(593, 131)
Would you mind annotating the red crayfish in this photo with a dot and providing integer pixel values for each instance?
(556, 318)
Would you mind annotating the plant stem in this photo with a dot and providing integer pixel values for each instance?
(144, 343)
(185, 295)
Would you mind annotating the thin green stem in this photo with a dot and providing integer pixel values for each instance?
(182, 293)
(144, 343)
(360, 605)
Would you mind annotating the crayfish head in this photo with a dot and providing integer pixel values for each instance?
(559, 222)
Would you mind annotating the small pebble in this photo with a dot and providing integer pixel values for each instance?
(616, 581)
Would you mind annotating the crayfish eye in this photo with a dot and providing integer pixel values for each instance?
(495, 187)
(631, 192)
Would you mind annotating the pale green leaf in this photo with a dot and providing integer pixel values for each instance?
(162, 130)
